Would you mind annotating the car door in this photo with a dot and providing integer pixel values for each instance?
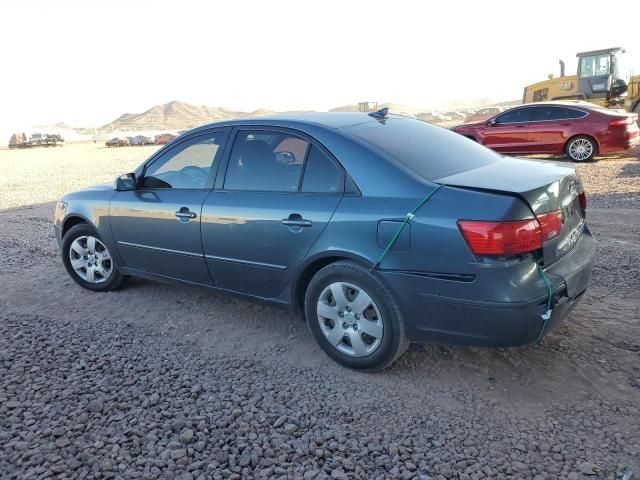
(508, 132)
(157, 226)
(279, 192)
(548, 128)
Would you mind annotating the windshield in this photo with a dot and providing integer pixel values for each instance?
(428, 151)
(594, 65)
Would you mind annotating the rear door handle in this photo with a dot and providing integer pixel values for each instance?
(296, 220)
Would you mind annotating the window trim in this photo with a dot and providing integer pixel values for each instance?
(584, 114)
(237, 129)
(167, 149)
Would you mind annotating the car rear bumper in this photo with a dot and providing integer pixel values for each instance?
(436, 318)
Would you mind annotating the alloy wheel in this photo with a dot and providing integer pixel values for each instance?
(580, 149)
(90, 259)
(350, 319)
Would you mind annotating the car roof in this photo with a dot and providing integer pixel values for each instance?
(559, 103)
(333, 120)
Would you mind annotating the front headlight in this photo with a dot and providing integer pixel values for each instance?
(61, 211)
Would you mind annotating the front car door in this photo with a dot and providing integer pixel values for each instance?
(508, 132)
(280, 191)
(157, 226)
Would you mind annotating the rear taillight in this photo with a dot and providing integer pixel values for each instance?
(501, 238)
(621, 121)
(510, 238)
(583, 200)
(550, 224)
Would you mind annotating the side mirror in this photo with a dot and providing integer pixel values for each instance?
(125, 183)
(491, 122)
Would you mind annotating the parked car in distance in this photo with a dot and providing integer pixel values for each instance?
(483, 114)
(301, 210)
(579, 130)
(164, 138)
(140, 140)
(18, 140)
(117, 142)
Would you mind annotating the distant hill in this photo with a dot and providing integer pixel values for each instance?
(176, 115)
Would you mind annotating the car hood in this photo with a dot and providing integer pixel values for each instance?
(103, 186)
(94, 192)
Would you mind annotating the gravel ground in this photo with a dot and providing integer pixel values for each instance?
(158, 381)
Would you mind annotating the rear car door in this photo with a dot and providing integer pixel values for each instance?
(157, 226)
(280, 191)
(508, 132)
(549, 129)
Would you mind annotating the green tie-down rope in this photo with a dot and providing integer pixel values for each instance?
(407, 219)
(545, 317)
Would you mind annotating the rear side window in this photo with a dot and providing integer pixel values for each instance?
(321, 175)
(266, 161)
(428, 151)
(518, 115)
(548, 113)
(572, 113)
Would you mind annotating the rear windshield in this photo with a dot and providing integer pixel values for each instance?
(430, 152)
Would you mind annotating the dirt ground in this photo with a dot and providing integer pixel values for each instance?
(564, 408)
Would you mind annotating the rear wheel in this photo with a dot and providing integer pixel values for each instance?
(581, 148)
(354, 318)
(88, 260)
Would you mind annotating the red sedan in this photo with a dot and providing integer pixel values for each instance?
(580, 130)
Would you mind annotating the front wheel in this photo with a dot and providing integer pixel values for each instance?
(581, 148)
(354, 318)
(88, 260)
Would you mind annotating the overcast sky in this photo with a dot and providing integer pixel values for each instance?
(86, 62)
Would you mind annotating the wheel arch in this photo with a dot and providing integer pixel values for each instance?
(73, 220)
(312, 266)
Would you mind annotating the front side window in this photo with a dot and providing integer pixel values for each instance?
(594, 66)
(518, 115)
(266, 161)
(187, 166)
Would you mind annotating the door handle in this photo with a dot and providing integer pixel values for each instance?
(296, 220)
(185, 214)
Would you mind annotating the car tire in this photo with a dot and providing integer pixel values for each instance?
(89, 262)
(373, 330)
(581, 148)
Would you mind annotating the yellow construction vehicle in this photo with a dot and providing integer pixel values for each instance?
(602, 78)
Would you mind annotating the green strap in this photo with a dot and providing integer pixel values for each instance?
(407, 219)
(547, 314)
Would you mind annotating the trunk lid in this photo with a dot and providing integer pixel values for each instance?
(545, 187)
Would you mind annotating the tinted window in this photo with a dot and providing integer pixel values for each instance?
(321, 175)
(188, 165)
(573, 113)
(548, 113)
(517, 115)
(266, 161)
(428, 151)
